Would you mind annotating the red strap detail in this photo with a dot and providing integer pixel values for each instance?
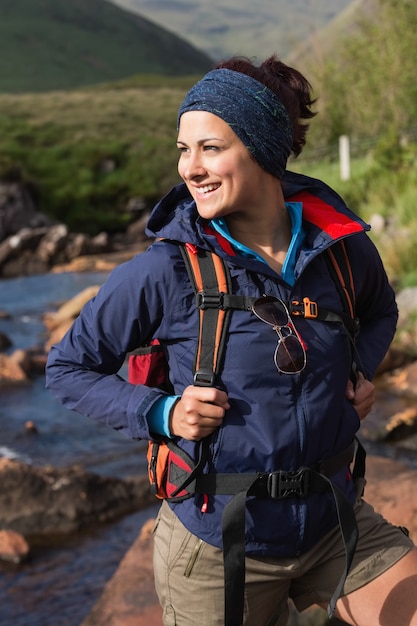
(325, 216)
(192, 248)
(224, 243)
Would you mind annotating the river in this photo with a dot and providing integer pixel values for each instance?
(63, 580)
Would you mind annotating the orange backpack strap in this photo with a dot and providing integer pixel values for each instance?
(210, 278)
(339, 267)
(340, 263)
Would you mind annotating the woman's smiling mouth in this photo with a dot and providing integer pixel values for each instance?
(207, 188)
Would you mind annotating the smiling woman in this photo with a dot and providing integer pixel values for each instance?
(282, 414)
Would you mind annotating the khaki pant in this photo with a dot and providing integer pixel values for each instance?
(189, 576)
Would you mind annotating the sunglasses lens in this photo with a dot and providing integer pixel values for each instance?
(271, 311)
(289, 356)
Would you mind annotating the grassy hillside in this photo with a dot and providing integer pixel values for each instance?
(87, 153)
(311, 54)
(61, 44)
(226, 27)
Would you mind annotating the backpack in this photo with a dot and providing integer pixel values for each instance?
(175, 476)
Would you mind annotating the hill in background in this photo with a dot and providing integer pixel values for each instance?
(223, 28)
(62, 44)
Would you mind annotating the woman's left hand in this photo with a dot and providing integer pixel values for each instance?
(362, 395)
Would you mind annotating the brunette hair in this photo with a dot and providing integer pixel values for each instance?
(291, 87)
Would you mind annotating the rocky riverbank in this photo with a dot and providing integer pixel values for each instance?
(31, 244)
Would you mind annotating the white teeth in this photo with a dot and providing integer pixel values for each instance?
(207, 188)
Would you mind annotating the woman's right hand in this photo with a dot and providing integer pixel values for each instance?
(362, 395)
(198, 413)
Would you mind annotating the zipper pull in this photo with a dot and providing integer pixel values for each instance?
(204, 506)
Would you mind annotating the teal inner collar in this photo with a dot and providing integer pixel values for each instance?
(295, 211)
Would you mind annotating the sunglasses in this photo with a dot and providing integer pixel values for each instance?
(290, 356)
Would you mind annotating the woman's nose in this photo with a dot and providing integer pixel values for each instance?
(193, 166)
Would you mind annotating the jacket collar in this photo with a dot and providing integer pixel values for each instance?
(325, 215)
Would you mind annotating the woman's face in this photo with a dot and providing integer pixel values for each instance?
(218, 170)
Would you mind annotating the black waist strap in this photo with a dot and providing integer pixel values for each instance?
(276, 485)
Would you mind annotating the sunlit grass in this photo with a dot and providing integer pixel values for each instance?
(87, 152)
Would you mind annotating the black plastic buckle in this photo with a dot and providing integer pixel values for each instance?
(210, 301)
(286, 484)
(204, 378)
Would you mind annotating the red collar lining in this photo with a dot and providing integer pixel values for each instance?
(325, 216)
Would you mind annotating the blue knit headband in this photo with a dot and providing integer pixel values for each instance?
(253, 111)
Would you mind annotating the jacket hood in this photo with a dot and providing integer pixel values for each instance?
(175, 215)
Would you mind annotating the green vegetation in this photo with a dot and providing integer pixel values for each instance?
(367, 90)
(86, 154)
(61, 44)
(383, 182)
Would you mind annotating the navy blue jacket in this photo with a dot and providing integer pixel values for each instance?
(275, 421)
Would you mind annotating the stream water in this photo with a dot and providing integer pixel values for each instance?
(63, 580)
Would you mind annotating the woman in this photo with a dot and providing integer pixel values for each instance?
(236, 130)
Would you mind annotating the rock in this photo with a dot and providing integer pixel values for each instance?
(52, 245)
(81, 245)
(37, 250)
(70, 309)
(21, 366)
(100, 263)
(57, 333)
(395, 357)
(393, 417)
(22, 360)
(42, 501)
(11, 370)
(99, 244)
(5, 342)
(136, 230)
(391, 490)
(31, 428)
(77, 246)
(13, 547)
(17, 209)
(129, 598)
(37, 360)
(26, 239)
(22, 264)
(402, 381)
